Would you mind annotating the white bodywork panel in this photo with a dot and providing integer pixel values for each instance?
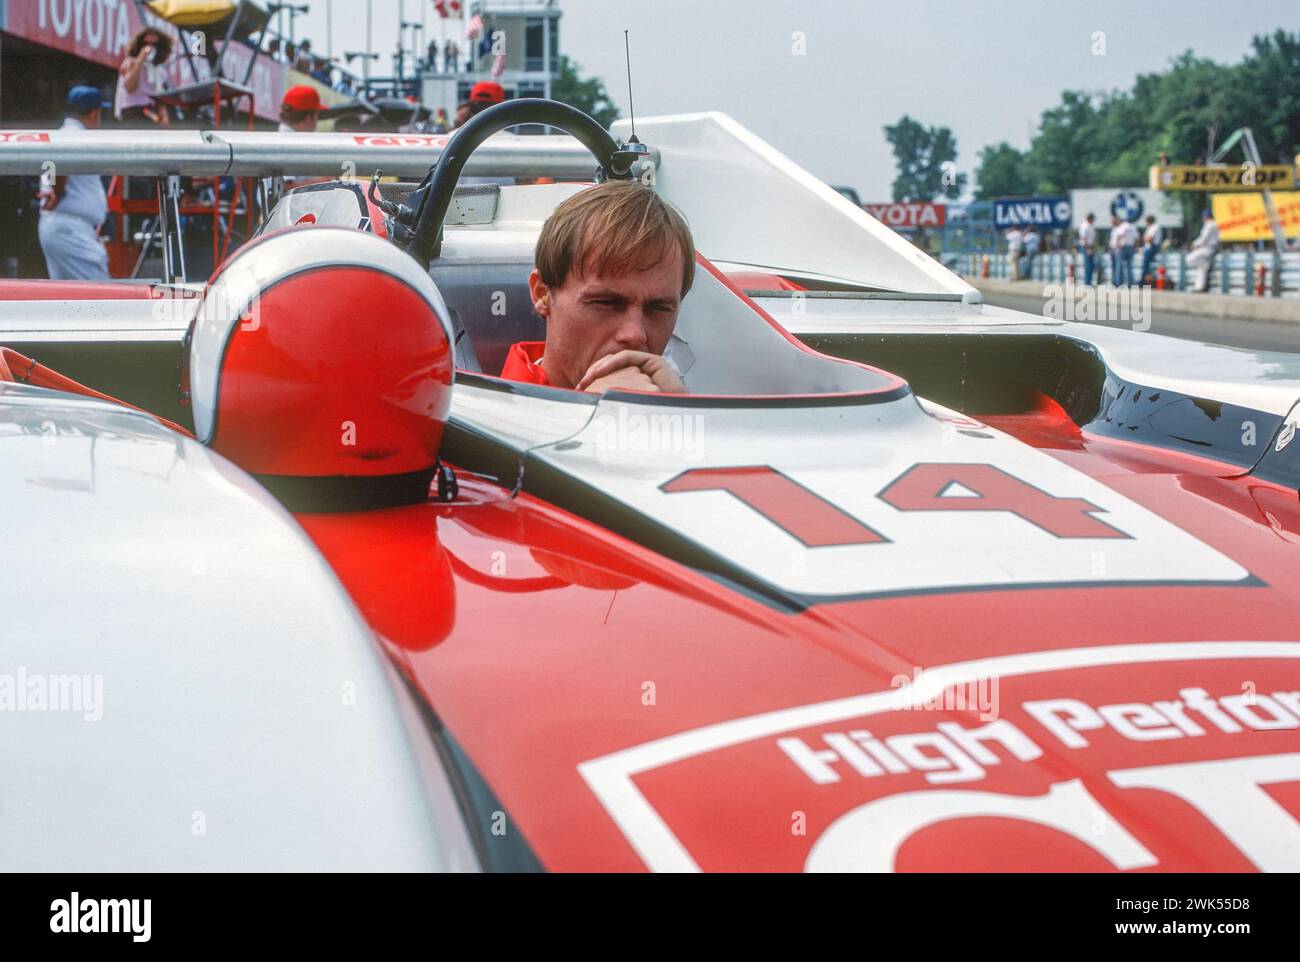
(1267, 381)
(245, 720)
(749, 203)
(848, 455)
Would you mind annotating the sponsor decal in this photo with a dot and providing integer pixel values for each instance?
(907, 216)
(1242, 217)
(1049, 213)
(24, 137)
(824, 524)
(97, 30)
(1247, 176)
(1130, 203)
(401, 140)
(1111, 757)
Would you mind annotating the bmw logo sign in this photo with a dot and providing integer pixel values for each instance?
(1063, 212)
(1127, 205)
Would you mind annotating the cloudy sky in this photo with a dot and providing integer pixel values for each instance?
(985, 68)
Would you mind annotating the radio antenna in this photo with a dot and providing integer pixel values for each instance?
(627, 56)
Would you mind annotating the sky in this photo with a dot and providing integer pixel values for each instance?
(818, 79)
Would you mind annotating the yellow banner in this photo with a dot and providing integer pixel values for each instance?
(1241, 217)
(1243, 177)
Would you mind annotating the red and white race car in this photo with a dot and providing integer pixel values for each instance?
(905, 582)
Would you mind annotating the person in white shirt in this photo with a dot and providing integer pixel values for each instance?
(1013, 253)
(1088, 246)
(1123, 237)
(1206, 245)
(1152, 238)
(73, 207)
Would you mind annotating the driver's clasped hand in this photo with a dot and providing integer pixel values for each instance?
(631, 371)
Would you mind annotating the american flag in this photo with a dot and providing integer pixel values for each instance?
(499, 64)
(475, 26)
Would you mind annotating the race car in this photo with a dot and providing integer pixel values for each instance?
(904, 582)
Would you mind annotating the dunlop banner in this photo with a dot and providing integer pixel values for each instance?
(1245, 177)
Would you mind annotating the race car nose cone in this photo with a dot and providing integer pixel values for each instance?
(321, 361)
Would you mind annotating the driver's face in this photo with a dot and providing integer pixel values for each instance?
(591, 316)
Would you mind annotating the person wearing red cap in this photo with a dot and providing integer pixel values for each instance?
(300, 109)
(482, 95)
(487, 91)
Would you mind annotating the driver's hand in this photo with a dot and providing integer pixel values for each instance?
(631, 371)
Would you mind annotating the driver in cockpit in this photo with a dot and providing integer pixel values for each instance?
(612, 266)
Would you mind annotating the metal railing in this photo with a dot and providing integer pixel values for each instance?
(1233, 272)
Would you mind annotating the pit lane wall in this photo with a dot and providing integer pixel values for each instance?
(1234, 274)
(1262, 310)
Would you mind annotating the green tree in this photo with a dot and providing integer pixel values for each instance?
(926, 161)
(1269, 88)
(1001, 173)
(587, 95)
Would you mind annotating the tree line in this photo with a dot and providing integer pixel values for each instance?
(1111, 139)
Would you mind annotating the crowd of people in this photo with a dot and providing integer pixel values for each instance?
(1130, 252)
(74, 208)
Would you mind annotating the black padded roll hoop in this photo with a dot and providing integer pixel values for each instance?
(511, 113)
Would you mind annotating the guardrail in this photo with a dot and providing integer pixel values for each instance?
(1233, 272)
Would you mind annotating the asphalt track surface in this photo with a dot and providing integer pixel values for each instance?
(1255, 335)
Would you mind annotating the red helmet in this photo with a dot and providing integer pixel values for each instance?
(321, 361)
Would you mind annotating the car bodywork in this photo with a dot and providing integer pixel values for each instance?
(906, 582)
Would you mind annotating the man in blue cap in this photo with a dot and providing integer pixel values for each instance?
(73, 207)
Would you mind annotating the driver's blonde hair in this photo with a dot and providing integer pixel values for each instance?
(613, 228)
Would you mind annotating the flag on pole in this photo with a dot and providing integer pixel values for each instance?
(475, 26)
(499, 64)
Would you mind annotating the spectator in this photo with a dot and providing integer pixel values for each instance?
(487, 93)
(1088, 246)
(73, 207)
(450, 56)
(1033, 243)
(137, 80)
(1206, 245)
(304, 61)
(1152, 238)
(440, 122)
(1014, 241)
(300, 110)
(1124, 236)
(273, 51)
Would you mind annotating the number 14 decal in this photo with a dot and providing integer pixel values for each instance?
(818, 523)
